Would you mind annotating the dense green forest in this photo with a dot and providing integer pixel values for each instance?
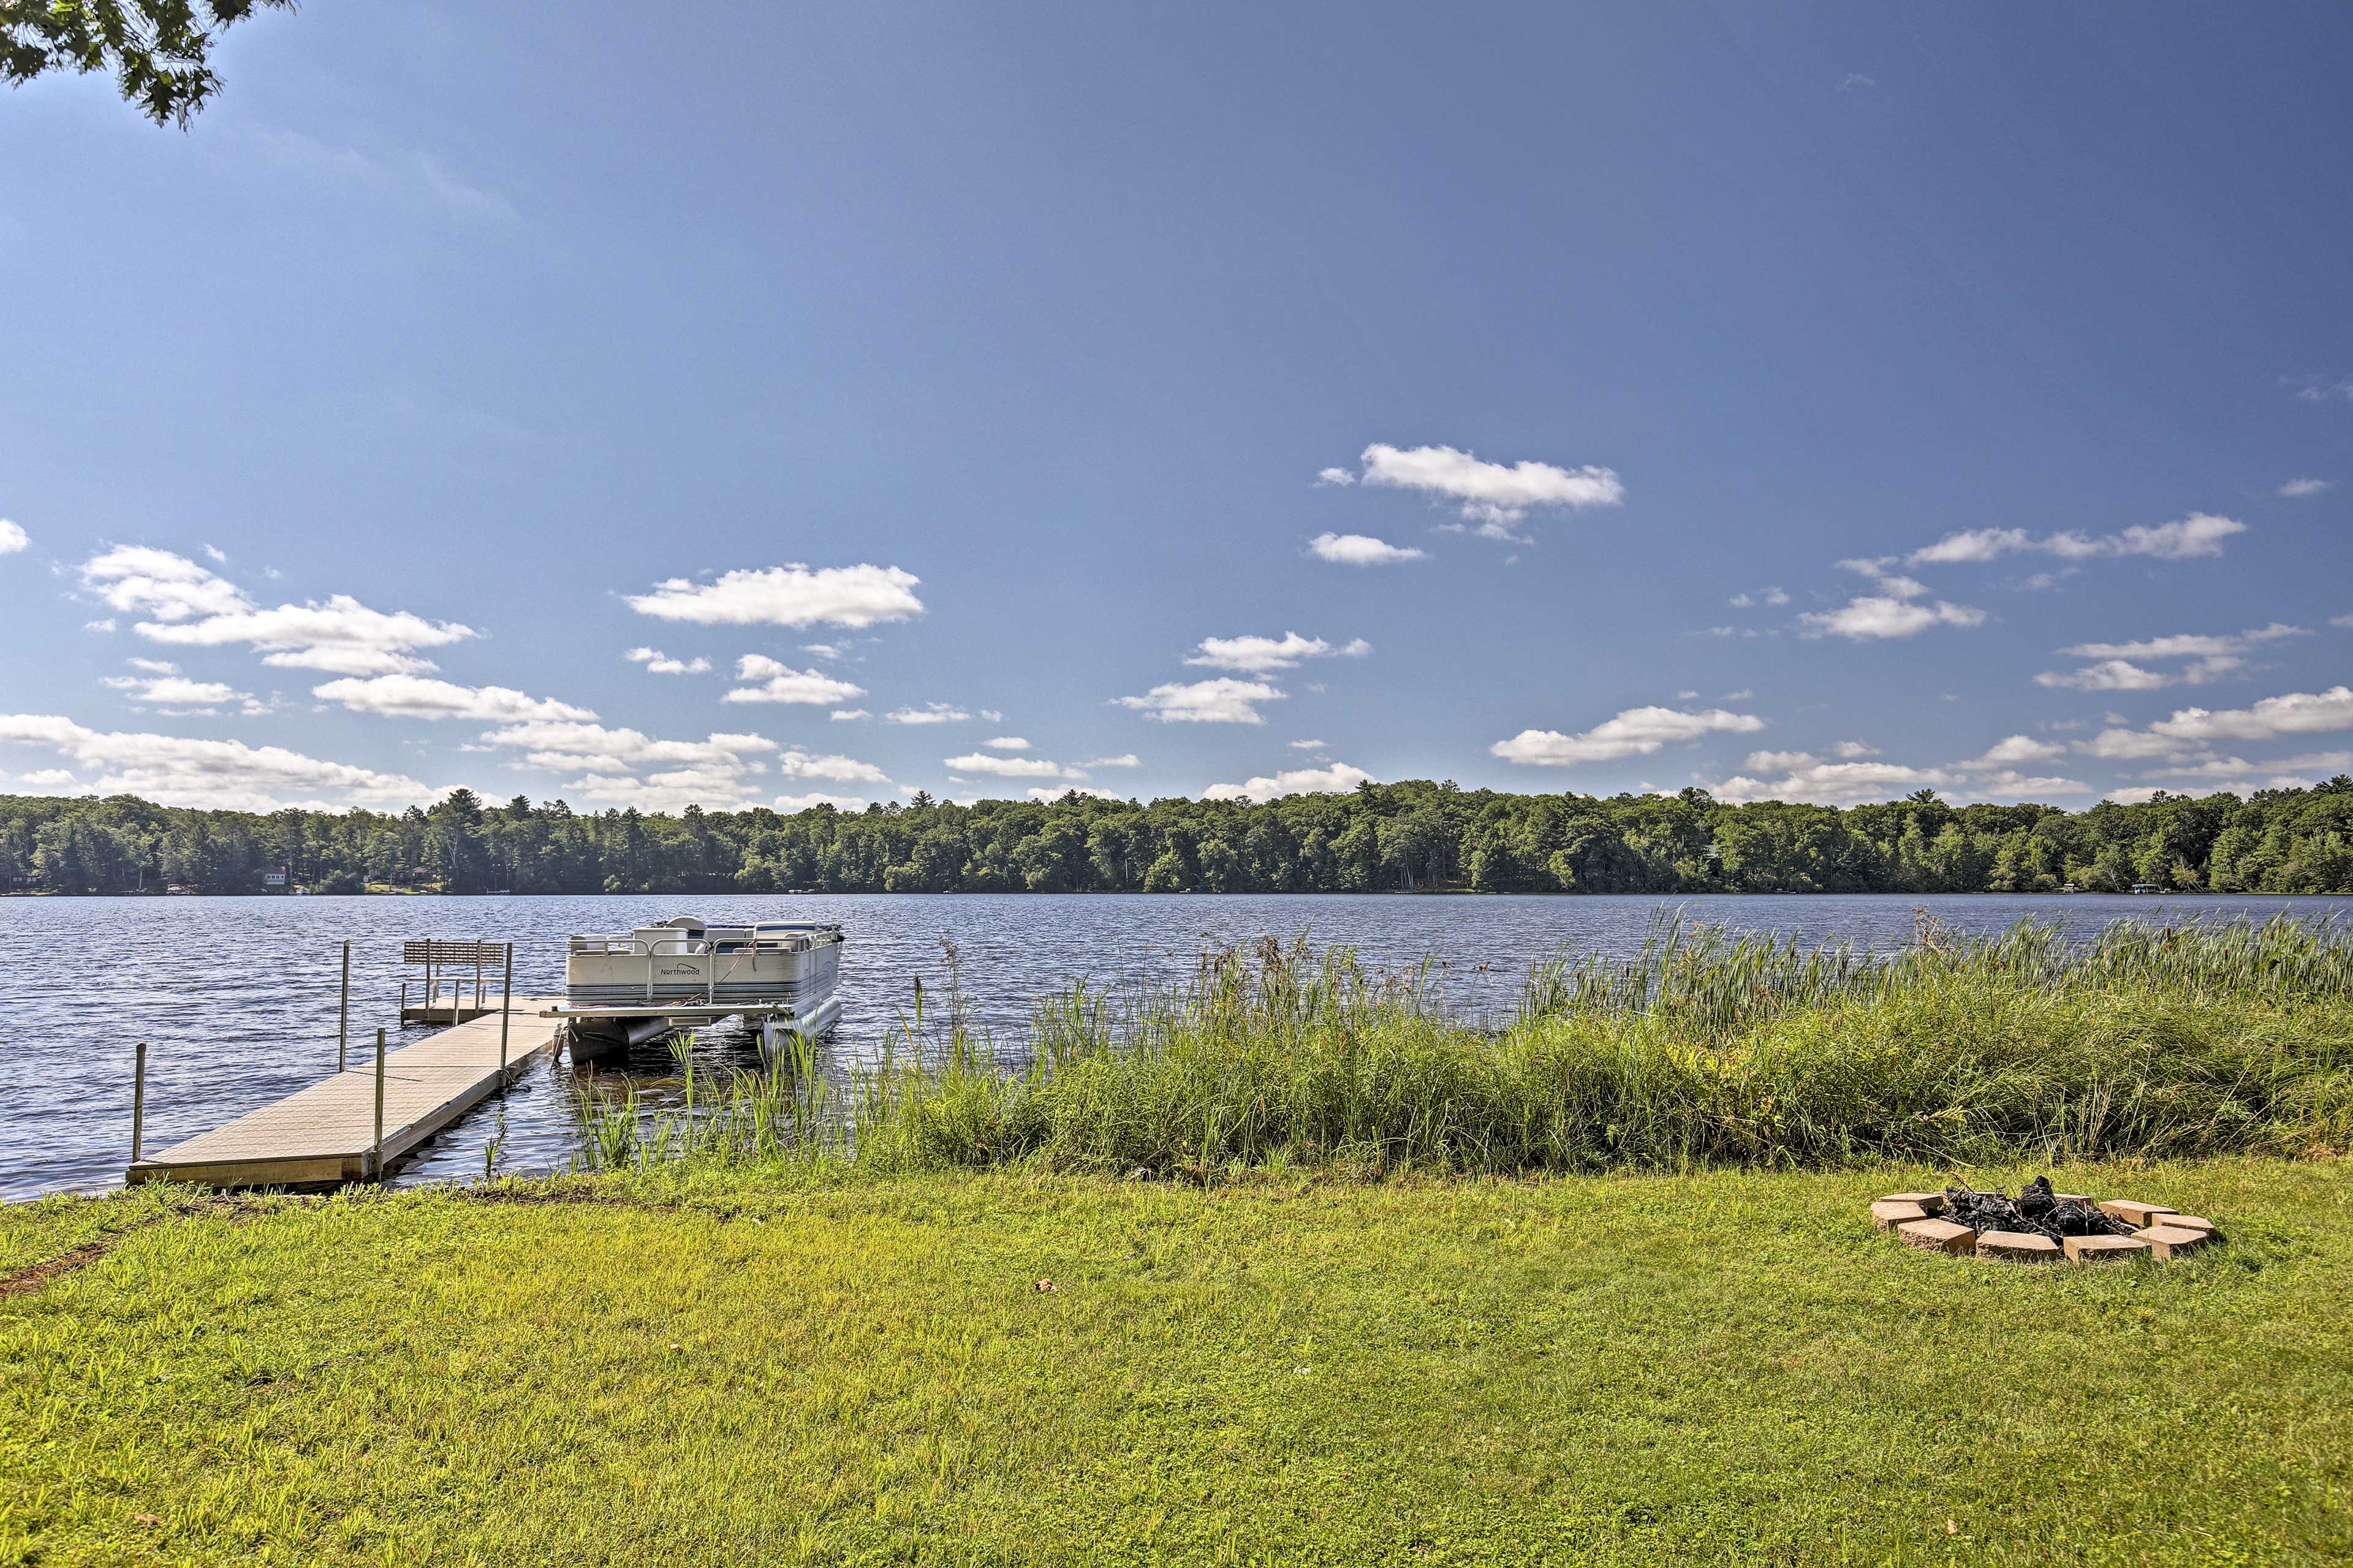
(1384, 837)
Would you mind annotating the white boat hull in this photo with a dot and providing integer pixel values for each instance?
(777, 1030)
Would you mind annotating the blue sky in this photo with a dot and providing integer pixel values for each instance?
(1812, 403)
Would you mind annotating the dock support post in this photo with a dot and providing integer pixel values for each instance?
(428, 1016)
(477, 984)
(377, 1158)
(139, 1104)
(506, 1008)
(344, 1014)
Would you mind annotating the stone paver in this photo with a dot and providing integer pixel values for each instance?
(2166, 1242)
(2132, 1212)
(2103, 1249)
(2018, 1246)
(1938, 1236)
(1930, 1203)
(1889, 1212)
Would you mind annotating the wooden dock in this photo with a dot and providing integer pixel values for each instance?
(326, 1134)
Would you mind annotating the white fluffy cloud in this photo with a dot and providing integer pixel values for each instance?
(626, 767)
(2009, 783)
(1223, 700)
(792, 802)
(2014, 749)
(2121, 746)
(1007, 743)
(1011, 767)
(163, 686)
(2211, 658)
(2294, 713)
(1637, 732)
(2315, 765)
(420, 697)
(177, 690)
(789, 596)
(2108, 675)
(2304, 485)
(174, 769)
(660, 663)
(1360, 550)
(1258, 655)
(191, 606)
(13, 538)
(800, 765)
(1873, 616)
(1805, 777)
(1338, 779)
(929, 713)
(782, 683)
(1801, 776)
(1893, 611)
(1493, 495)
(2199, 534)
(1124, 760)
(849, 715)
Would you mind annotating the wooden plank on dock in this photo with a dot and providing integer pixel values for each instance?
(326, 1134)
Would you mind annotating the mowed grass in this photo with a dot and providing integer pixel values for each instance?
(715, 1367)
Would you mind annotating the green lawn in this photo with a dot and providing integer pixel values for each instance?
(1727, 1367)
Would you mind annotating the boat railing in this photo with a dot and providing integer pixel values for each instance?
(633, 946)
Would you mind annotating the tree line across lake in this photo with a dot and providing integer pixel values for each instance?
(1415, 836)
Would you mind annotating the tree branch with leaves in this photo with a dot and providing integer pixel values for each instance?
(159, 50)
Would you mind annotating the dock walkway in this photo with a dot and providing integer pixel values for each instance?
(326, 1134)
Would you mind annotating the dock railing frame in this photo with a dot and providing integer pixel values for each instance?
(447, 956)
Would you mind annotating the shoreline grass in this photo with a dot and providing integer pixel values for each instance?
(1705, 1051)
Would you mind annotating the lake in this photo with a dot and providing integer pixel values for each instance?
(236, 997)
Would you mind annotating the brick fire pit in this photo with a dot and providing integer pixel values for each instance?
(2039, 1226)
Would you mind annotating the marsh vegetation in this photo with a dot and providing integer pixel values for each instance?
(1707, 1049)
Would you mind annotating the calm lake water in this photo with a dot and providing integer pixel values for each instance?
(236, 997)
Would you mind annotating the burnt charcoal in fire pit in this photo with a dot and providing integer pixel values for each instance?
(2037, 1210)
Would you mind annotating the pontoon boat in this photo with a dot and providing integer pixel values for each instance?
(621, 991)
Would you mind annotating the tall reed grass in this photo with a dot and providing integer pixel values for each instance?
(1706, 1049)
